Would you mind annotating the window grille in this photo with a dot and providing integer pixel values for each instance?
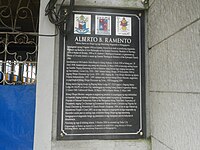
(18, 41)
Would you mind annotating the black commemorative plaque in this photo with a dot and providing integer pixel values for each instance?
(101, 77)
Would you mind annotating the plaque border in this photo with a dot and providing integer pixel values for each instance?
(61, 134)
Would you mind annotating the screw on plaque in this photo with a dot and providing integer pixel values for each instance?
(141, 133)
(61, 134)
(140, 14)
(65, 11)
(144, 1)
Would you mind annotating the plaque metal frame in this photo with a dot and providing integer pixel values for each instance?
(141, 132)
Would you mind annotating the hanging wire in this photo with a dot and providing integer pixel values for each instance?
(56, 16)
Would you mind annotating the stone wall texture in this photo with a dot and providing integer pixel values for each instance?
(174, 74)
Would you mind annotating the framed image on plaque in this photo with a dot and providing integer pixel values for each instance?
(102, 75)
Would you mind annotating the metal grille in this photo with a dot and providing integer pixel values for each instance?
(18, 58)
(18, 41)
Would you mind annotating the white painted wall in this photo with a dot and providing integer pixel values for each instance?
(44, 91)
(174, 68)
(46, 96)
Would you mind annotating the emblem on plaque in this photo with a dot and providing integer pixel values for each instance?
(103, 25)
(123, 26)
(82, 24)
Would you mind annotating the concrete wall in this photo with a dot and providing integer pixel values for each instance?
(174, 69)
(174, 82)
(44, 90)
(46, 97)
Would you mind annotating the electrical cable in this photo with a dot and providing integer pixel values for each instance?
(56, 16)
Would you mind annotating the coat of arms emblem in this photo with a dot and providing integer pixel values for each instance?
(82, 24)
(123, 26)
(103, 25)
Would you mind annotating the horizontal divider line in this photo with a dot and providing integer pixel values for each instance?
(179, 92)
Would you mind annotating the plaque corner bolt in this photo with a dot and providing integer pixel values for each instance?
(61, 134)
(65, 11)
(141, 133)
(144, 1)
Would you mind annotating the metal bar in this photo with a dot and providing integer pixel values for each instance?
(20, 75)
(27, 65)
(12, 71)
(21, 62)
